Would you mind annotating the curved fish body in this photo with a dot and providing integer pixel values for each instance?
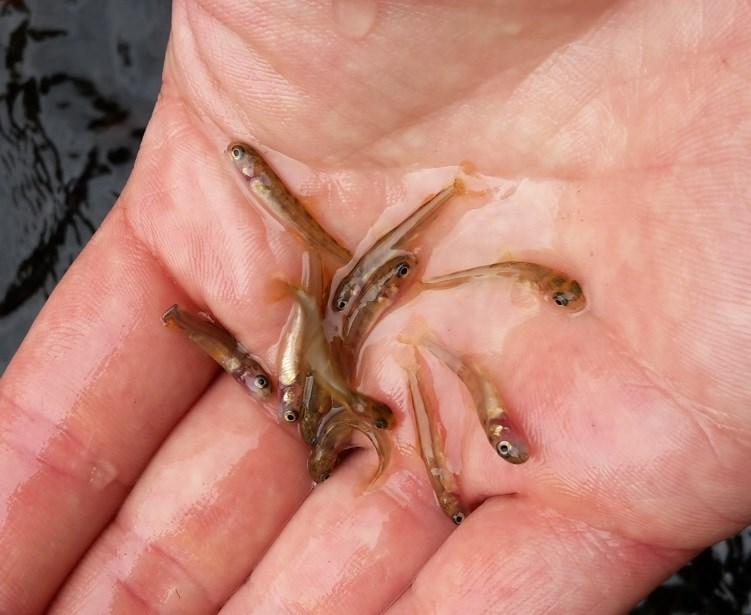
(328, 373)
(432, 451)
(335, 436)
(270, 191)
(374, 300)
(219, 344)
(554, 286)
(292, 367)
(504, 438)
(388, 247)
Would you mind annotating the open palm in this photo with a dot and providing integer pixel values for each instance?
(137, 478)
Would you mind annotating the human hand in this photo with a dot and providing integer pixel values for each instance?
(621, 129)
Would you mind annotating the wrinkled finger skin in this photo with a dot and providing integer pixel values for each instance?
(613, 141)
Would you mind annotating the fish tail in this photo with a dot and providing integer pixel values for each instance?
(278, 288)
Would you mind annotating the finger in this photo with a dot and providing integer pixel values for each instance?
(91, 393)
(206, 509)
(99, 383)
(602, 430)
(511, 555)
(345, 551)
(205, 234)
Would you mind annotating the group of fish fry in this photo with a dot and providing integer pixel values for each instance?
(326, 330)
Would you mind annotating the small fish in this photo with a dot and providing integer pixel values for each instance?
(327, 371)
(315, 406)
(554, 285)
(499, 430)
(268, 188)
(292, 367)
(387, 247)
(431, 447)
(376, 297)
(219, 344)
(335, 436)
(374, 300)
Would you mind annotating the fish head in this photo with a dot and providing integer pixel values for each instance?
(509, 445)
(453, 508)
(247, 160)
(343, 295)
(567, 293)
(257, 382)
(382, 414)
(321, 461)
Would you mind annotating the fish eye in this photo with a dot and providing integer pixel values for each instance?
(237, 152)
(261, 382)
(381, 423)
(561, 299)
(341, 304)
(323, 477)
(457, 518)
(290, 416)
(402, 269)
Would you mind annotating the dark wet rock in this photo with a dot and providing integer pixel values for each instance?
(78, 81)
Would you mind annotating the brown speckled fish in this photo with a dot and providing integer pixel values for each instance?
(431, 448)
(555, 286)
(219, 344)
(387, 248)
(316, 405)
(336, 435)
(327, 372)
(503, 437)
(269, 190)
(292, 367)
(374, 300)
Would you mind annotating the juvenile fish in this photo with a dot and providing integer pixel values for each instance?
(499, 430)
(376, 297)
(292, 366)
(554, 285)
(327, 372)
(431, 448)
(316, 405)
(268, 189)
(219, 344)
(388, 247)
(336, 436)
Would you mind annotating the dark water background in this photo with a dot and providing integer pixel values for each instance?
(78, 80)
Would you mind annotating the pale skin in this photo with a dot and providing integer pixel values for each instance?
(629, 121)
